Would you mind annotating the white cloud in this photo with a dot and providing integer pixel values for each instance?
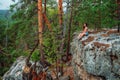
(5, 4)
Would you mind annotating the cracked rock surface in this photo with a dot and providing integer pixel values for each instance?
(97, 56)
(16, 70)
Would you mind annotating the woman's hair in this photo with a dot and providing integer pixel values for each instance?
(85, 24)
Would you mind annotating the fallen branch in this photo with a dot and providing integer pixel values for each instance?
(4, 53)
(28, 58)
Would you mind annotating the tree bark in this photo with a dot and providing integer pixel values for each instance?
(45, 7)
(28, 58)
(118, 14)
(69, 31)
(44, 13)
(60, 10)
(47, 22)
(40, 29)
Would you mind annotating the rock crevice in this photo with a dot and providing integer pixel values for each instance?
(97, 56)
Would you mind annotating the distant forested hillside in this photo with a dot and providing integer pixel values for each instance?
(4, 14)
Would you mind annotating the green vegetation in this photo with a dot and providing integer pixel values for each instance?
(97, 13)
(19, 30)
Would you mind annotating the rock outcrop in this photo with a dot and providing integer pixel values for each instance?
(18, 68)
(97, 56)
(15, 72)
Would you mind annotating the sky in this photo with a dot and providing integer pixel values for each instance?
(4, 4)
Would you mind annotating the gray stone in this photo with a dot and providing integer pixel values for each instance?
(16, 70)
(105, 63)
(64, 78)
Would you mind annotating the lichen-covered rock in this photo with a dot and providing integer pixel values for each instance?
(64, 78)
(19, 68)
(97, 56)
(15, 72)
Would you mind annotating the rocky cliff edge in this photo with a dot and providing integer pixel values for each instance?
(97, 56)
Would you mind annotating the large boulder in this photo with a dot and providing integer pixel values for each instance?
(97, 56)
(19, 70)
(15, 72)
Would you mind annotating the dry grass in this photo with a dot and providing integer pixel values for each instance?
(101, 45)
(104, 35)
(89, 39)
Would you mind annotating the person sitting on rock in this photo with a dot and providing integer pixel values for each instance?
(85, 31)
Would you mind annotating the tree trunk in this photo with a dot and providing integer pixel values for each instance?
(45, 7)
(44, 14)
(118, 14)
(69, 31)
(61, 34)
(40, 29)
(28, 58)
(47, 22)
(118, 27)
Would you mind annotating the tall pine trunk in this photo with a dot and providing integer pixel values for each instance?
(61, 35)
(118, 14)
(45, 7)
(69, 31)
(40, 29)
(44, 14)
